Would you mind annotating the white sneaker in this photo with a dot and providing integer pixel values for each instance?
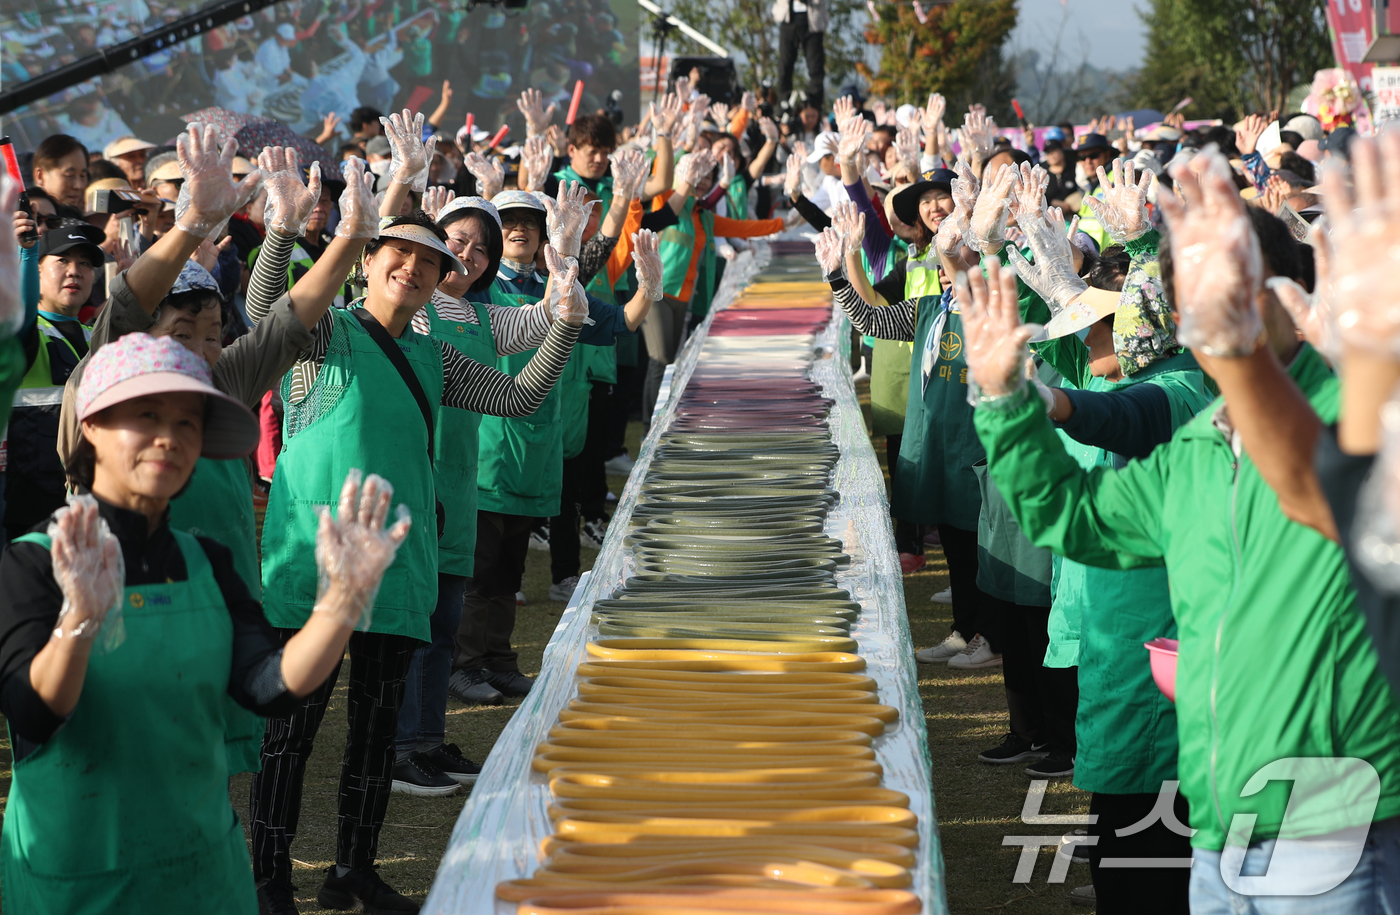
(563, 590)
(939, 654)
(977, 654)
(520, 599)
(943, 597)
(860, 374)
(620, 464)
(592, 532)
(539, 536)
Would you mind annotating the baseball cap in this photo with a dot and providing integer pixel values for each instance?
(123, 145)
(378, 146)
(193, 276)
(286, 32)
(1092, 141)
(824, 146)
(1338, 142)
(1306, 126)
(1054, 133)
(424, 237)
(138, 365)
(65, 238)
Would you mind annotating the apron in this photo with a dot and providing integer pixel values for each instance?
(358, 414)
(218, 504)
(455, 440)
(889, 359)
(587, 364)
(125, 809)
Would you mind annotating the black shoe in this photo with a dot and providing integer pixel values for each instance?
(448, 760)
(1013, 749)
(416, 775)
(276, 898)
(470, 686)
(509, 682)
(1052, 766)
(362, 890)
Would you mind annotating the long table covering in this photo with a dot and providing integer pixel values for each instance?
(773, 324)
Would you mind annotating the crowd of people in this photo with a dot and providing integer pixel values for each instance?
(450, 328)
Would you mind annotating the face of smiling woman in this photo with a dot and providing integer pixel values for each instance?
(146, 449)
(401, 275)
(521, 237)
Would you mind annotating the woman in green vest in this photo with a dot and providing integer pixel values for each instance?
(124, 638)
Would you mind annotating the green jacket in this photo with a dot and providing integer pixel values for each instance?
(1274, 659)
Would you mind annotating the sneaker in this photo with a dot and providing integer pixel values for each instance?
(563, 590)
(932, 538)
(977, 654)
(940, 653)
(621, 464)
(1013, 749)
(1053, 766)
(509, 682)
(448, 760)
(612, 496)
(1083, 895)
(362, 890)
(276, 898)
(943, 597)
(520, 600)
(912, 562)
(470, 686)
(860, 375)
(539, 536)
(1078, 851)
(415, 775)
(593, 533)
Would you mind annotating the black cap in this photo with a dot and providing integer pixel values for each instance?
(1338, 141)
(906, 203)
(56, 241)
(1092, 141)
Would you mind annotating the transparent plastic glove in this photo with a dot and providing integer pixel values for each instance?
(11, 304)
(979, 135)
(771, 133)
(354, 549)
(951, 232)
(646, 255)
(359, 214)
(1052, 276)
(568, 216)
(1047, 396)
(854, 133)
(1364, 227)
(831, 253)
(719, 112)
(567, 300)
(629, 174)
(209, 195)
(727, 170)
(1028, 198)
(535, 158)
(987, 228)
(844, 110)
(966, 187)
(87, 564)
(1216, 259)
(487, 172)
(435, 198)
(666, 113)
(792, 180)
(933, 112)
(849, 223)
(537, 117)
(289, 202)
(692, 169)
(906, 144)
(1377, 526)
(409, 155)
(699, 107)
(1123, 209)
(749, 102)
(994, 339)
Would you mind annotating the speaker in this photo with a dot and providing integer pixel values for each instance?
(718, 78)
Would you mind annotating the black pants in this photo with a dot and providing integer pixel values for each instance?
(585, 490)
(378, 665)
(1024, 638)
(793, 34)
(960, 549)
(908, 538)
(623, 403)
(1153, 890)
(488, 609)
(1060, 700)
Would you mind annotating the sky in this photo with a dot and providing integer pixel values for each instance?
(1112, 33)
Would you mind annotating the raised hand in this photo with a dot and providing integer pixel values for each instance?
(933, 111)
(849, 223)
(854, 133)
(749, 102)
(410, 157)
(567, 300)
(844, 109)
(1123, 209)
(1216, 259)
(1028, 200)
(629, 173)
(87, 565)
(537, 117)
(987, 228)
(979, 133)
(647, 256)
(692, 169)
(720, 111)
(792, 179)
(1052, 276)
(209, 195)
(906, 144)
(665, 114)
(966, 187)
(994, 339)
(354, 549)
(289, 202)
(770, 131)
(727, 170)
(535, 158)
(831, 252)
(487, 171)
(359, 214)
(1248, 133)
(11, 304)
(435, 198)
(568, 216)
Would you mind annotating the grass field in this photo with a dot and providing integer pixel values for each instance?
(965, 712)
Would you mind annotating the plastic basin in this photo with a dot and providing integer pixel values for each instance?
(1163, 655)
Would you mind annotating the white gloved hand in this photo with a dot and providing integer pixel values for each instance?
(11, 304)
(409, 155)
(844, 109)
(435, 198)
(727, 170)
(289, 202)
(537, 117)
(209, 195)
(906, 144)
(771, 133)
(567, 300)
(87, 564)
(359, 215)
(933, 112)
(994, 339)
(1123, 209)
(720, 112)
(488, 174)
(831, 253)
(979, 134)
(1052, 276)
(629, 173)
(849, 223)
(568, 216)
(792, 180)
(987, 229)
(854, 133)
(354, 549)
(646, 255)
(535, 158)
(692, 169)
(665, 114)
(1028, 196)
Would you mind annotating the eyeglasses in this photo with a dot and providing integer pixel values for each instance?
(49, 222)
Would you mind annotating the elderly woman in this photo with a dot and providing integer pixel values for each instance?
(122, 637)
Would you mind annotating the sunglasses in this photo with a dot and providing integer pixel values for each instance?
(49, 222)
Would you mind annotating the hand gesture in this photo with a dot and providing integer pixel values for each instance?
(328, 125)
(854, 132)
(435, 198)
(849, 223)
(535, 159)
(727, 170)
(1028, 201)
(1274, 195)
(629, 173)
(289, 202)
(87, 565)
(1248, 133)
(770, 131)
(359, 214)
(1123, 209)
(1217, 261)
(11, 304)
(831, 252)
(933, 112)
(665, 114)
(906, 144)
(987, 228)
(692, 169)
(410, 156)
(567, 300)
(979, 134)
(994, 339)
(720, 111)
(647, 256)
(792, 180)
(568, 215)
(353, 549)
(487, 172)
(1315, 313)
(683, 89)
(699, 106)
(966, 188)
(537, 117)
(844, 109)
(949, 239)
(209, 195)
(749, 102)
(1052, 276)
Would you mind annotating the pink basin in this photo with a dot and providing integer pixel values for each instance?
(1163, 655)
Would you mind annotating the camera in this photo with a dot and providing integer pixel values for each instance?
(117, 200)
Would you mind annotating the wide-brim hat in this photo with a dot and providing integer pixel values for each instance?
(124, 145)
(425, 237)
(906, 203)
(1093, 306)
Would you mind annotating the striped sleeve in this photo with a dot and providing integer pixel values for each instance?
(269, 280)
(889, 322)
(469, 385)
(518, 329)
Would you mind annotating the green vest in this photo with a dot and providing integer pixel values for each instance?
(737, 196)
(602, 360)
(676, 245)
(125, 809)
(455, 440)
(35, 483)
(890, 359)
(1089, 224)
(359, 414)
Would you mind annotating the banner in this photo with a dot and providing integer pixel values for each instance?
(1387, 88)
(1353, 26)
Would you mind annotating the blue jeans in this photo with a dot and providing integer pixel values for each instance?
(1372, 889)
(423, 717)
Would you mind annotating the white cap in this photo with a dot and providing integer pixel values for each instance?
(286, 32)
(904, 114)
(826, 145)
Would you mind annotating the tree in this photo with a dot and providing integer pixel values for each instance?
(957, 51)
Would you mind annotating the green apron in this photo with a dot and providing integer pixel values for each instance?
(890, 359)
(358, 414)
(587, 364)
(676, 245)
(218, 504)
(125, 809)
(522, 458)
(455, 441)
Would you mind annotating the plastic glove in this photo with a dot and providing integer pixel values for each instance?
(792, 180)
(1047, 396)
(354, 549)
(906, 144)
(854, 132)
(435, 198)
(699, 106)
(359, 215)
(692, 169)
(949, 239)
(646, 255)
(749, 102)
(567, 300)
(727, 170)
(87, 564)
(1216, 259)
(1028, 199)
(629, 172)
(289, 202)
(994, 339)
(665, 114)
(933, 112)
(487, 172)
(844, 110)
(979, 135)
(209, 195)
(771, 133)
(11, 305)
(831, 253)
(720, 115)
(1052, 276)
(849, 223)
(1377, 524)
(1123, 209)
(966, 187)
(568, 216)
(987, 228)
(537, 117)
(534, 160)
(409, 155)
